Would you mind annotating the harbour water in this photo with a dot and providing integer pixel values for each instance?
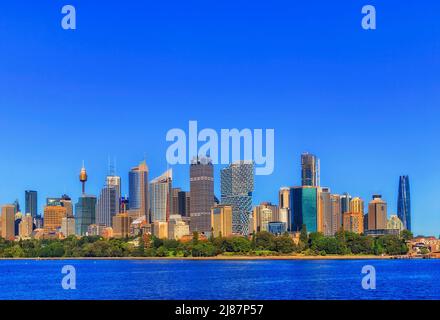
(250, 279)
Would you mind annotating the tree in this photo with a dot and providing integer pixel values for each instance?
(195, 239)
(204, 249)
(406, 235)
(284, 244)
(264, 240)
(303, 237)
(162, 252)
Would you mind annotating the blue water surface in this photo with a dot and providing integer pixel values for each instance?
(187, 279)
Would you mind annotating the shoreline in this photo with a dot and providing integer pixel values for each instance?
(217, 258)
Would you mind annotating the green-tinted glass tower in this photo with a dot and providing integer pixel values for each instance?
(304, 204)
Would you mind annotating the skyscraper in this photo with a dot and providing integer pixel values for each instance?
(108, 203)
(325, 212)
(138, 192)
(175, 195)
(336, 213)
(345, 203)
(182, 206)
(404, 202)
(263, 214)
(66, 202)
(53, 216)
(7, 220)
(237, 186)
(377, 214)
(161, 197)
(121, 225)
(85, 208)
(26, 226)
(310, 170)
(201, 194)
(357, 205)
(284, 205)
(353, 222)
(304, 208)
(31, 203)
(85, 213)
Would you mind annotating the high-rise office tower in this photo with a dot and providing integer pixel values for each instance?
(138, 192)
(201, 194)
(53, 216)
(345, 203)
(182, 207)
(284, 205)
(68, 226)
(121, 225)
(53, 201)
(304, 208)
(7, 220)
(237, 186)
(187, 204)
(404, 202)
(310, 170)
(108, 203)
(357, 205)
(161, 197)
(377, 213)
(115, 182)
(26, 226)
(85, 214)
(353, 222)
(336, 213)
(17, 221)
(263, 214)
(31, 203)
(221, 220)
(175, 194)
(325, 212)
(85, 208)
(66, 202)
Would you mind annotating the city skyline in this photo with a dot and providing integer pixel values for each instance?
(312, 208)
(364, 102)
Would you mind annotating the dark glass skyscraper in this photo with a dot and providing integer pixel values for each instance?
(31, 204)
(404, 202)
(309, 170)
(201, 193)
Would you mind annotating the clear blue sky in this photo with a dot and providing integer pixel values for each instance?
(366, 102)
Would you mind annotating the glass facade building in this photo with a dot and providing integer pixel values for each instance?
(31, 204)
(138, 191)
(277, 228)
(304, 204)
(237, 186)
(309, 170)
(85, 211)
(161, 200)
(107, 205)
(404, 202)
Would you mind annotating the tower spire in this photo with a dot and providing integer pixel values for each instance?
(83, 178)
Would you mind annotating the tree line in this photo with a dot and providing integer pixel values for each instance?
(259, 244)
